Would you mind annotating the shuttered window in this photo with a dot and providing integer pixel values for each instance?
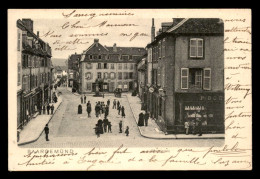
(184, 78)
(207, 79)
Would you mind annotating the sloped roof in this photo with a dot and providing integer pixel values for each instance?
(198, 25)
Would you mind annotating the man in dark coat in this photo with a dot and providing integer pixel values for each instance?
(123, 111)
(120, 126)
(105, 123)
(106, 111)
(85, 98)
(108, 102)
(141, 119)
(127, 131)
(48, 109)
(119, 109)
(89, 109)
(81, 100)
(97, 109)
(46, 130)
(114, 104)
(40, 109)
(43, 109)
(199, 127)
(118, 104)
(52, 109)
(146, 117)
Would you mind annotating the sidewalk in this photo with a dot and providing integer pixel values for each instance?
(33, 130)
(153, 131)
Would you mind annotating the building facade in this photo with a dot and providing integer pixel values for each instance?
(188, 75)
(35, 71)
(142, 80)
(107, 68)
(73, 71)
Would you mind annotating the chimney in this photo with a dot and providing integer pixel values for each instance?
(38, 34)
(152, 31)
(28, 23)
(96, 42)
(114, 48)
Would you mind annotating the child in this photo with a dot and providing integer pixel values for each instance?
(127, 131)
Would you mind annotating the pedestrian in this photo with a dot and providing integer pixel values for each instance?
(193, 127)
(85, 98)
(114, 104)
(105, 124)
(52, 109)
(100, 126)
(108, 102)
(97, 110)
(141, 119)
(118, 104)
(81, 100)
(199, 127)
(106, 111)
(55, 99)
(123, 111)
(186, 126)
(55, 86)
(79, 109)
(43, 109)
(97, 131)
(146, 117)
(48, 109)
(119, 109)
(89, 108)
(40, 109)
(127, 131)
(109, 127)
(120, 126)
(46, 130)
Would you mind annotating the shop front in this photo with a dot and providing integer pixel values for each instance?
(208, 107)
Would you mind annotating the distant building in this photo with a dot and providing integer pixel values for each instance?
(187, 74)
(107, 68)
(73, 71)
(142, 80)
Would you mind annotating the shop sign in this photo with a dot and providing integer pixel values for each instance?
(192, 108)
(210, 98)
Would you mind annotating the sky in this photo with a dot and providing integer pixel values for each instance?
(62, 29)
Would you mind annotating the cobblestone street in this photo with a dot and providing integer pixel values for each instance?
(69, 129)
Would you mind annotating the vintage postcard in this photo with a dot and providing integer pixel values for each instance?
(129, 89)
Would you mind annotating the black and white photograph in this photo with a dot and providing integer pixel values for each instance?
(122, 80)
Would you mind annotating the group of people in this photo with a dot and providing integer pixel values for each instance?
(103, 126)
(143, 119)
(120, 109)
(46, 108)
(102, 108)
(195, 125)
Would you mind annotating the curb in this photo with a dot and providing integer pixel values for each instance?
(176, 137)
(42, 130)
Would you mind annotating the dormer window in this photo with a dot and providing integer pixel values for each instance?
(99, 57)
(90, 57)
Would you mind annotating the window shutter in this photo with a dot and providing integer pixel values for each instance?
(207, 79)
(193, 43)
(184, 78)
(199, 47)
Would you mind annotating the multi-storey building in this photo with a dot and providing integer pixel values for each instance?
(188, 74)
(107, 68)
(73, 71)
(142, 80)
(36, 71)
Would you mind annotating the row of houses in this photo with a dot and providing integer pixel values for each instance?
(35, 75)
(181, 78)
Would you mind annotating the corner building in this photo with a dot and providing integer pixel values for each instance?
(188, 75)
